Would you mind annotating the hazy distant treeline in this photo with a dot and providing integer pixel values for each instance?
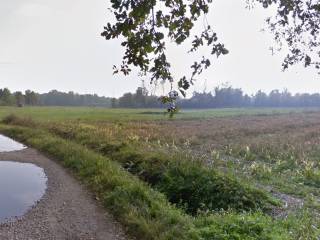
(52, 98)
(220, 97)
(234, 97)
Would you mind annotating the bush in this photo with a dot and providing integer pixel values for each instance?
(198, 189)
(192, 186)
(15, 120)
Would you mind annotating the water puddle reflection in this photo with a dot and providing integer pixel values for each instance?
(9, 145)
(22, 185)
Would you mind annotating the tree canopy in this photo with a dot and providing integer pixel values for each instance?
(146, 26)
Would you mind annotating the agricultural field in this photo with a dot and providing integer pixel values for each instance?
(205, 174)
(124, 115)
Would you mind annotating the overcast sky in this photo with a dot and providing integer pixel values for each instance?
(47, 45)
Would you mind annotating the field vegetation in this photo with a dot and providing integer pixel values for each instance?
(216, 174)
(106, 115)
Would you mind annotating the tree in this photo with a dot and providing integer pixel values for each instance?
(275, 98)
(261, 99)
(31, 98)
(6, 98)
(296, 25)
(20, 100)
(126, 100)
(140, 97)
(201, 100)
(144, 24)
(228, 97)
(113, 102)
(56, 98)
(147, 25)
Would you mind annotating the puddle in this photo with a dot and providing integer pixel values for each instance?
(22, 185)
(9, 145)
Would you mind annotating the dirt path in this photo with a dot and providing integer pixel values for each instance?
(66, 212)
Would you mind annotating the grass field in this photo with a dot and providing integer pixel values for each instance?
(105, 114)
(206, 174)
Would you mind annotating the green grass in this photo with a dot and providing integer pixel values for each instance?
(104, 114)
(188, 184)
(156, 177)
(144, 212)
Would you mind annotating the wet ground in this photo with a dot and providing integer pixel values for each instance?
(9, 145)
(22, 185)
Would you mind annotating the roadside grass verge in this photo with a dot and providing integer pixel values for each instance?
(146, 213)
(127, 179)
(188, 184)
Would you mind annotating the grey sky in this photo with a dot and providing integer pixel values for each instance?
(47, 44)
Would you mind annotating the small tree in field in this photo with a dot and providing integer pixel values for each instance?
(20, 100)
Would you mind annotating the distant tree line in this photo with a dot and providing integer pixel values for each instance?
(56, 98)
(18, 98)
(139, 99)
(220, 97)
(228, 97)
(52, 98)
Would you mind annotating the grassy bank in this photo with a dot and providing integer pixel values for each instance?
(186, 183)
(145, 212)
(128, 183)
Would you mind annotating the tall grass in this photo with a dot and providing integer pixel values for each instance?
(188, 184)
(128, 180)
(145, 213)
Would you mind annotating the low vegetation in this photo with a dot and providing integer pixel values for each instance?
(144, 212)
(188, 184)
(126, 116)
(196, 180)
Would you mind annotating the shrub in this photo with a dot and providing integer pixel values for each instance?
(190, 185)
(196, 188)
(15, 120)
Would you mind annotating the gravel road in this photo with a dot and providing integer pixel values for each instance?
(66, 212)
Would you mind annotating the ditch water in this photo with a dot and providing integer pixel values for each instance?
(22, 185)
(9, 145)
